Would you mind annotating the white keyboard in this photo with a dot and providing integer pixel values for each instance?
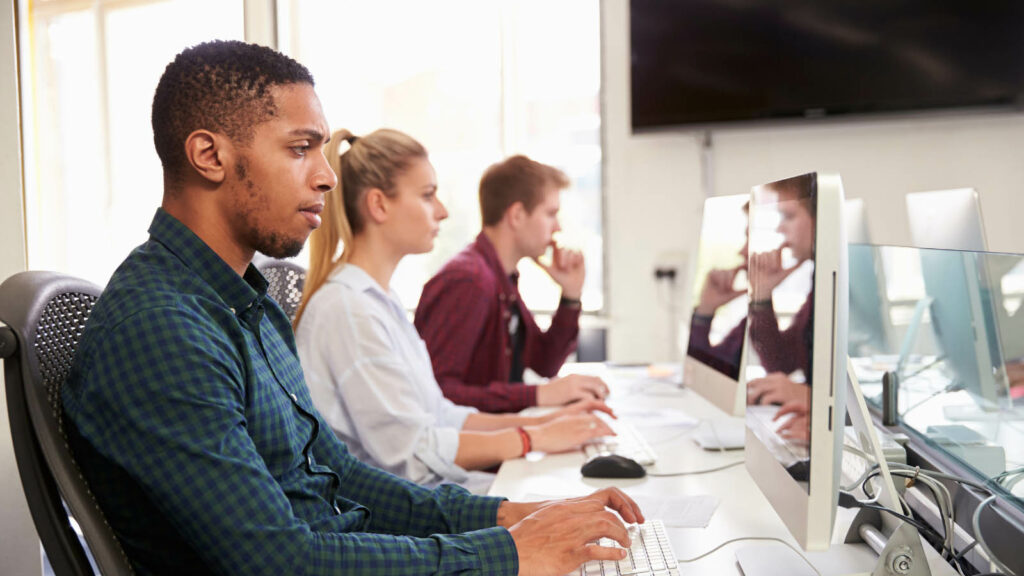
(628, 442)
(650, 554)
(761, 421)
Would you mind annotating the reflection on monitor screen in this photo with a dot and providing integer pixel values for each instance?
(869, 310)
(718, 324)
(946, 219)
(797, 340)
(870, 325)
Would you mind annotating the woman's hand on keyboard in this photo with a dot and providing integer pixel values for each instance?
(567, 432)
(558, 536)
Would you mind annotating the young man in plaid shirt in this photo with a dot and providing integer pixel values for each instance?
(186, 406)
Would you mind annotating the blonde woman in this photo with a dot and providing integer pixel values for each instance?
(367, 368)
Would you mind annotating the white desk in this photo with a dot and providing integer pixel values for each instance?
(742, 511)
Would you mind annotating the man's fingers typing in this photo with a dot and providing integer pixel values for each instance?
(594, 551)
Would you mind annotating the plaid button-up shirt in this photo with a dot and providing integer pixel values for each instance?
(193, 425)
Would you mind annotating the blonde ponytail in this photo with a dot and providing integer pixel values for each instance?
(371, 161)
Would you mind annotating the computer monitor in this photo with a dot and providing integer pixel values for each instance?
(964, 322)
(718, 324)
(870, 326)
(856, 218)
(798, 256)
(946, 219)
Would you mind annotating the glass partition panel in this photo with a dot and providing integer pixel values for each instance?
(950, 325)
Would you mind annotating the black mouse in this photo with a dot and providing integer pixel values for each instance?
(612, 466)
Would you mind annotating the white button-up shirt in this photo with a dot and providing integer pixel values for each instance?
(371, 378)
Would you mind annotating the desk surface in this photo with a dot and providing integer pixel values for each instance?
(742, 510)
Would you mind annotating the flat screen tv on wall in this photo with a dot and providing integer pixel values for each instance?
(719, 61)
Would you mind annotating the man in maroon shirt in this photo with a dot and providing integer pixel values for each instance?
(480, 335)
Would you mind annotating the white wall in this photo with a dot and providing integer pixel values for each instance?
(652, 207)
(655, 193)
(19, 546)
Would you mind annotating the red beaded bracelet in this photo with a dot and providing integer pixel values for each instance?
(525, 437)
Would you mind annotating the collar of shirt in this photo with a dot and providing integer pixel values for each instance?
(359, 280)
(241, 293)
(507, 283)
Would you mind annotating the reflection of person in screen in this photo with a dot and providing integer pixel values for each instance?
(783, 352)
(718, 290)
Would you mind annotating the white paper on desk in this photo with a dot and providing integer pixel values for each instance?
(656, 417)
(673, 511)
(679, 511)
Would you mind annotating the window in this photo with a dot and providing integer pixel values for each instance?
(88, 72)
(523, 77)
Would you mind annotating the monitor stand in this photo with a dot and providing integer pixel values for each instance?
(896, 544)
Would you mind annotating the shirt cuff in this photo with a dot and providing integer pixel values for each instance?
(529, 395)
(498, 553)
(485, 551)
(474, 512)
(441, 457)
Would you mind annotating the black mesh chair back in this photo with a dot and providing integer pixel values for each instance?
(45, 314)
(286, 282)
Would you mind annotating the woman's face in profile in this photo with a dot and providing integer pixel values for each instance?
(797, 228)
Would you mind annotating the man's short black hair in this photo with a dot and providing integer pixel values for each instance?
(220, 86)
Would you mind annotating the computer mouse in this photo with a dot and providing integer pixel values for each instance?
(612, 466)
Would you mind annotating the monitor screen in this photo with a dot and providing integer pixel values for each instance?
(796, 321)
(718, 324)
(713, 61)
(965, 324)
(720, 285)
(869, 323)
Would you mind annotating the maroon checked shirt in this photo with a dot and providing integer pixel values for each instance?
(463, 317)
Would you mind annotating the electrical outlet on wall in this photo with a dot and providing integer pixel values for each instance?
(671, 272)
(671, 267)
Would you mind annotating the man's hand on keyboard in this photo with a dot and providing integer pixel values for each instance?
(582, 407)
(798, 426)
(776, 388)
(571, 388)
(568, 432)
(557, 536)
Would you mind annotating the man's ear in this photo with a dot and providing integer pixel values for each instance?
(516, 214)
(377, 205)
(207, 154)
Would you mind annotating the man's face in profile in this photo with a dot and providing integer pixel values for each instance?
(279, 181)
(541, 224)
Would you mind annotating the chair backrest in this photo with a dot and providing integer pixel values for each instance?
(45, 314)
(286, 282)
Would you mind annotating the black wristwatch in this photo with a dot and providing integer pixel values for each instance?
(570, 302)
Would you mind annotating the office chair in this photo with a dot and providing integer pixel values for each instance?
(286, 282)
(45, 313)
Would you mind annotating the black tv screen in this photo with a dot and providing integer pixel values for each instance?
(711, 61)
